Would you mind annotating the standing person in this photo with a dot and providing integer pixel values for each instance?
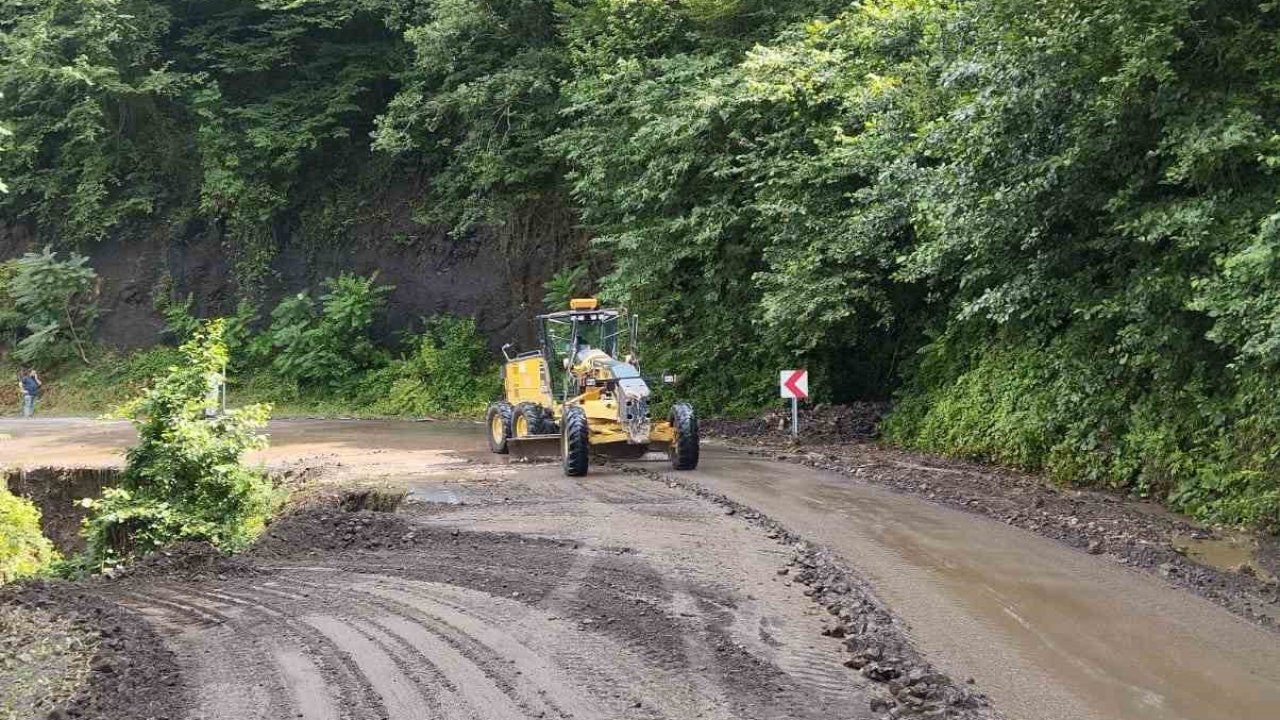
(29, 384)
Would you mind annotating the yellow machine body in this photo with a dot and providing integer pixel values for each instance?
(526, 379)
(610, 393)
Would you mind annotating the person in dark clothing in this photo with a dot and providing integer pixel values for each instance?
(29, 385)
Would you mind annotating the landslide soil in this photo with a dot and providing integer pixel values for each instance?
(492, 592)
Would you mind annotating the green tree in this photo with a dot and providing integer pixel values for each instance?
(87, 100)
(185, 479)
(54, 301)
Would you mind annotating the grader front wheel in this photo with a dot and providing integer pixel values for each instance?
(684, 445)
(575, 441)
(531, 419)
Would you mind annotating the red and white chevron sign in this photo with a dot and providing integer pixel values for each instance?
(794, 384)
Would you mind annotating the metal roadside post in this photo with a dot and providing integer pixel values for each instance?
(794, 384)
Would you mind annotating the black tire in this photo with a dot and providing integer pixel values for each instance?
(685, 443)
(498, 420)
(575, 441)
(534, 418)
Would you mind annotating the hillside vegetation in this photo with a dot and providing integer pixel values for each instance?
(1049, 227)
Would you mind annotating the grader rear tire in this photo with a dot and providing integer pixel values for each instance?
(575, 442)
(530, 418)
(685, 444)
(498, 420)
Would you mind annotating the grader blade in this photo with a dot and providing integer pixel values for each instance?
(534, 448)
(653, 452)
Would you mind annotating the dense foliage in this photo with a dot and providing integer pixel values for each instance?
(47, 306)
(185, 479)
(1049, 226)
(24, 551)
(324, 344)
(447, 369)
(322, 355)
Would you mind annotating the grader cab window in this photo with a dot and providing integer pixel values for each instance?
(566, 335)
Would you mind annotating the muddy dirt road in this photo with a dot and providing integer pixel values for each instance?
(618, 596)
(367, 448)
(1047, 631)
(505, 593)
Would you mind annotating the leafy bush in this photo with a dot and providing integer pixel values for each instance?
(55, 304)
(181, 323)
(449, 371)
(184, 479)
(1209, 447)
(328, 345)
(563, 287)
(24, 551)
(10, 318)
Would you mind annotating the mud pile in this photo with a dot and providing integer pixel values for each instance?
(187, 561)
(132, 675)
(329, 528)
(818, 424)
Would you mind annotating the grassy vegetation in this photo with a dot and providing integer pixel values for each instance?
(24, 551)
(313, 358)
(1205, 444)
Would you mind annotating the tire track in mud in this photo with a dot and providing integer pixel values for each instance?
(326, 643)
(638, 605)
(301, 663)
(423, 650)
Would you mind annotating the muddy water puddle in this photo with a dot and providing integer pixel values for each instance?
(1231, 552)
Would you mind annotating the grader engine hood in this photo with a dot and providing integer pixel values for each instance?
(624, 389)
(633, 402)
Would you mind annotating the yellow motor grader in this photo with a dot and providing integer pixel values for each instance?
(574, 396)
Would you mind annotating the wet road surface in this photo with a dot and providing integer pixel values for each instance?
(1048, 632)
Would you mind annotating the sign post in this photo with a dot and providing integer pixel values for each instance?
(794, 384)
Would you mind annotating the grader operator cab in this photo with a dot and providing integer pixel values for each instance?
(574, 398)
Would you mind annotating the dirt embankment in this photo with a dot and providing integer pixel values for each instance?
(1133, 533)
(488, 275)
(824, 424)
(57, 493)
